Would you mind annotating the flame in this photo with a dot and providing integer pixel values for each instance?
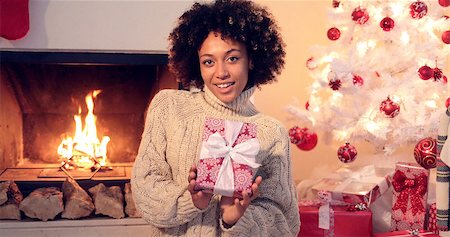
(85, 149)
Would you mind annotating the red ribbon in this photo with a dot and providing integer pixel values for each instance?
(414, 189)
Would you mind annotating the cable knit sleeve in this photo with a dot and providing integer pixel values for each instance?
(162, 202)
(275, 211)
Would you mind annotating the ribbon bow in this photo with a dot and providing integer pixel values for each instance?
(414, 189)
(244, 153)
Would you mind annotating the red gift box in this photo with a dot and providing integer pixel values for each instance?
(227, 157)
(432, 219)
(406, 233)
(356, 184)
(410, 183)
(344, 223)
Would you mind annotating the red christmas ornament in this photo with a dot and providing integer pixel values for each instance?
(336, 3)
(447, 102)
(444, 79)
(309, 142)
(446, 37)
(347, 153)
(389, 108)
(425, 72)
(360, 15)
(303, 138)
(387, 24)
(444, 3)
(437, 74)
(311, 63)
(333, 33)
(425, 153)
(295, 134)
(358, 80)
(418, 9)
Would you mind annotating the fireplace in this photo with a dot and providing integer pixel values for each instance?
(41, 92)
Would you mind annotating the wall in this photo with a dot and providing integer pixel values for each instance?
(125, 25)
(144, 26)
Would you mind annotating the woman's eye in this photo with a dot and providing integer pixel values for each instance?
(208, 62)
(233, 59)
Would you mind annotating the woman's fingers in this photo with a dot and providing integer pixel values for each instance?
(255, 187)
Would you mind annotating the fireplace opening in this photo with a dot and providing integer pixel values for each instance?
(42, 92)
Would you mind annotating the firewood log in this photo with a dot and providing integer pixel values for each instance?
(43, 203)
(130, 208)
(108, 200)
(77, 202)
(10, 208)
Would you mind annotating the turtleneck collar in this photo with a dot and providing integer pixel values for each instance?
(240, 106)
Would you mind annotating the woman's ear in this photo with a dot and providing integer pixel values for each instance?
(250, 64)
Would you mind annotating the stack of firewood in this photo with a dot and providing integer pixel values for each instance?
(72, 202)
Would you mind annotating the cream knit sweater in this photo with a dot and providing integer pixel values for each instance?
(171, 144)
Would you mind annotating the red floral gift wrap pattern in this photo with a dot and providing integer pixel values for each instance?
(410, 183)
(227, 157)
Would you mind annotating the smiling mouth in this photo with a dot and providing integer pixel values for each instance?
(225, 85)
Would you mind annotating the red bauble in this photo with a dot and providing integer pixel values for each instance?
(311, 63)
(444, 3)
(309, 142)
(425, 72)
(418, 9)
(425, 153)
(446, 37)
(437, 74)
(303, 138)
(358, 80)
(295, 134)
(360, 15)
(447, 102)
(387, 24)
(389, 108)
(347, 153)
(444, 79)
(333, 33)
(336, 3)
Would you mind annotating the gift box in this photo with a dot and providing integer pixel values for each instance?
(227, 157)
(407, 233)
(343, 221)
(432, 219)
(356, 184)
(410, 183)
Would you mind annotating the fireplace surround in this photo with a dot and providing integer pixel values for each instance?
(40, 92)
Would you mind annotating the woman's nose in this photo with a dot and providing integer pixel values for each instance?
(222, 71)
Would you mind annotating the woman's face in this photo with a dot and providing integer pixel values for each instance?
(224, 66)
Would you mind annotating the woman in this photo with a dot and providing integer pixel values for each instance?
(226, 49)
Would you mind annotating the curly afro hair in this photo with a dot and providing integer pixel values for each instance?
(240, 20)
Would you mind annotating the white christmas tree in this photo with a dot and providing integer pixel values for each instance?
(382, 77)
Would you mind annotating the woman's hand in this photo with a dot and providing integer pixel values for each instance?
(233, 208)
(199, 198)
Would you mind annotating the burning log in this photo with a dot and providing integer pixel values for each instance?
(10, 198)
(130, 208)
(77, 202)
(43, 203)
(108, 201)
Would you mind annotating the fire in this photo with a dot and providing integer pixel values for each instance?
(84, 149)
